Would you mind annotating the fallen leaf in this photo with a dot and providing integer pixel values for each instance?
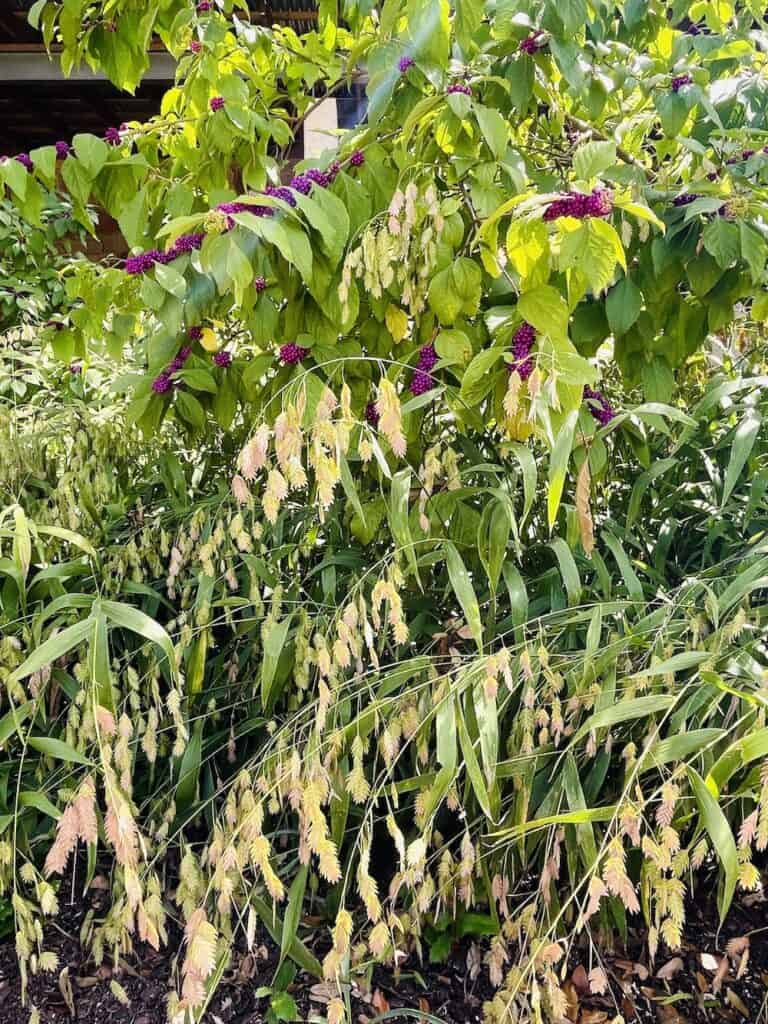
(733, 1000)
(580, 979)
(380, 1002)
(720, 975)
(670, 968)
(593, 1017)
(598, 981)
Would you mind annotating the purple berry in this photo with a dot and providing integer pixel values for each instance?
(686, 199)
(195, 46)
(161, 383)
(404, 63)
(112, 136)
(222, 359)
(318, 177)
(679, 81)
(523, 340)
(302, 183)
(371, 414)
(292, 353)
(195, 332)
(281, 192)
(420, 382)
(75, 368)
(333, 170)
(203, 6)
(459, 87)
(533, 42)
(427, 358)
(63, 149)
(259, 284)
(216, 103)
(25, 160)
(357, 159)
(599, 203)
(599, 406)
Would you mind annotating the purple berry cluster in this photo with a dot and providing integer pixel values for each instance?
(204, 6)
(357, 159)
(195, 46)
(144, 261)
(533, 43)
(686, 199)
(599, 203)
(303, 183)
(404, 63)
(292, 353)
(216, 103)
(195, 332)
(679, 81)
(63, 149)
(25, 160)
(259, 284)
(599, 406)
(371, 414)
(163, 381)
(112, 136)
(422, 380)
(222, 359)
(522, 342)
(459, 87)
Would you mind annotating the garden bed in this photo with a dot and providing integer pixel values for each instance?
(682, 988)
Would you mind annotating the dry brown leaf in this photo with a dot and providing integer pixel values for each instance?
(593, 1017)
(598, 981)
(670, 968)
(583, 511)
(733, 1000)
(580, 979)
(380, 1002)
(65, 987)
(720, 975)
(702, 982)
(571, 1001)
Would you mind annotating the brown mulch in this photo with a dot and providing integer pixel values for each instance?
(681, 988)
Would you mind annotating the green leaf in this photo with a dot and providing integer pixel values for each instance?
(275, 637)
(592, 158)
(444, 300)
(558, 465)
(546, 310)
(171, 280)
(54, 647)
(293, 911)
(464, 591)
(400, 492)
(189, 771)
(677, 663)
(492, 538)
(478, 380)
(622, 305)
(13, 719)
(494, 128)
(719, 831)
(40, 802)
(568, 570)
(743, 443)
(624, 711)
(473, 767)
(58, 749)
(128, 617)
(92, 153)
(721, 239)
(298, 952)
